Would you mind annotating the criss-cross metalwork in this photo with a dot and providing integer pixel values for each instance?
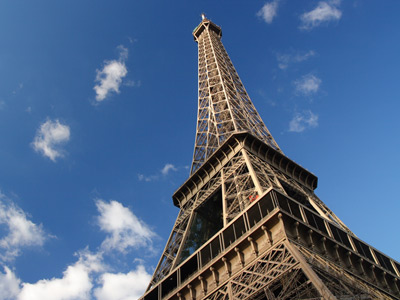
(250, 226)
(224, 106)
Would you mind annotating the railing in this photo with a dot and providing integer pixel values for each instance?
(257, 212)
(218, 244)
(328, 228)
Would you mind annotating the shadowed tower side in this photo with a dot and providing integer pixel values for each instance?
(250, 225)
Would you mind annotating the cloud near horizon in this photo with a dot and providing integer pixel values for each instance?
(121, 286)
(109, 79)
(49, 138)
(75, 284)
(91, 277)
(82, 280)
(326, 11)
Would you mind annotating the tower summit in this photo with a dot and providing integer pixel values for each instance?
(224, 106)
(250, 225)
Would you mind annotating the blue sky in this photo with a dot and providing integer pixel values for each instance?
(98, 104)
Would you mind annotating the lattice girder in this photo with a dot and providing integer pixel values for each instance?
(243, 177)
(259, 264)
(281, 270)
(224, 105)
(342, 284)
(250, 225)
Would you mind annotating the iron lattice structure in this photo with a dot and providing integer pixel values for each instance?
(224, 105)
(250, 225)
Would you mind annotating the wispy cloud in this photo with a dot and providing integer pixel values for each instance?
(167, 168)
(110, 77)
(308, 84)
(132, 40)
(19, 231)
(325, 12)
(20, 87)
(124, 229)
(268, 11)
(49, 138)
(149, 178)
(133, 83)
(303, 121)
(163, 172)
(284, 60)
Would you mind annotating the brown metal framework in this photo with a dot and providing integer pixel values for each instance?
(224, 106)
(275, 239)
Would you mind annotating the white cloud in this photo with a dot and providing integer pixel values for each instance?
(92, 261)
(325, 11)
(89, 277)
(76, 283)
(124, 228)
(167, 168)
(110, 77)
(308, 84)
(143, 177)
(132, 83)
(163, 172)
(302, 121)
(19, 231)
(268, 11)
(122, 286)
(284, 60)
(123, 52)
(9, 285)
(49, 137)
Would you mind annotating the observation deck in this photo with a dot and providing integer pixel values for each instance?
(203, 25)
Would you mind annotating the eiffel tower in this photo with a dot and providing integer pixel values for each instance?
(250, 225)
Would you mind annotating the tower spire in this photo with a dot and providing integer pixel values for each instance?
(224, 106)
